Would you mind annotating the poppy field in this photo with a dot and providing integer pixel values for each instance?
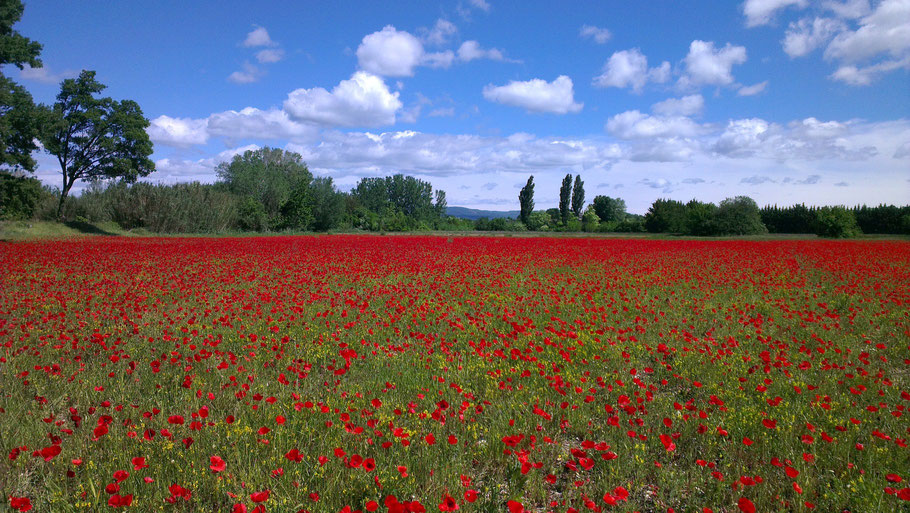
(408, 374)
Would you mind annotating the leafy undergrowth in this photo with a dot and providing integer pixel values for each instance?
(368, 373)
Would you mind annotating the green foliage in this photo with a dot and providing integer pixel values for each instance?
(179, 208)
(14, 48)
(631, 224)
(95, 138)
(297, 210)
(700, 218)
(738, 216)
(500, 224)
(578, 197)
(395, 203)
(793, 219)
(454, 224)
(609, 209)
(883, 219)
(440, 204)
(836, 222)
(526, 202)
(666, 216)
(19, 125)
(539, 221)
(590, 221)
(327, 204)
(565, 194)
(270, 178)
(20, 196)
(19, 120)
(251, 215)
(555, 217)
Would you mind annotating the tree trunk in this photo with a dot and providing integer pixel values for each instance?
(63, 194)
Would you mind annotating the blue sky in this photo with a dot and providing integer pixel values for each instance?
(782, 100)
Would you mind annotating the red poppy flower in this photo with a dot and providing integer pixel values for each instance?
(745, 505)
(260, 496)
(118, 501)
(20, 503)
(217, 464)
(448, 503)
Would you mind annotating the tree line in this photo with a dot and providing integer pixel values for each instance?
(263, 190)
(270, 190)
(104, 142)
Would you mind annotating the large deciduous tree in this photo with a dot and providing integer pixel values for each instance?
(95, 138)
(274, 186)
(738, 216)
(526, 201)
(19, 119)
(609, 209)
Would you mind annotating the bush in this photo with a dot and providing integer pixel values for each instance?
(20, 196)
(539, 221)
(590, 221)
(836, 222)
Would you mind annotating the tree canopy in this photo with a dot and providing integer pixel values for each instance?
(95, 138)
(19, 118)
(273, 184)
(609, 209)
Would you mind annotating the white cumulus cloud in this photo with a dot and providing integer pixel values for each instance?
(599, 35)
(483, 5)
(441, 32)
(363, 100)
(850, 9)
(865, 75)
(249, 74)
(706, 65)
(258, 37)
(390, 53)
(685, 106)
(629, 68)
(254, 123)
(470, 50)
(270, 55)
(557, 97)
(45, 75)
(633, 124)
(885, 31)
(178, 131)
(761, 12)
(752, 90)
(808, 34)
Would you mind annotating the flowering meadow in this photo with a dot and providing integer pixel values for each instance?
(409, 374)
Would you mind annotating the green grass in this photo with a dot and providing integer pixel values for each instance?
(50, 230)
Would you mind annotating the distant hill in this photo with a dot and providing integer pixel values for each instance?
(474, 214)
